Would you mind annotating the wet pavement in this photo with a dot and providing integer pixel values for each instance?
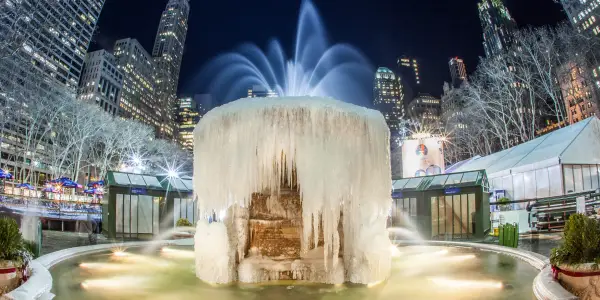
(53, 241)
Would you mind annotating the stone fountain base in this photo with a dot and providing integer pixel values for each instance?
(255, 269)
(267, 238)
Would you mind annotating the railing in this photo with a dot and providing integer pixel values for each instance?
(552, 212)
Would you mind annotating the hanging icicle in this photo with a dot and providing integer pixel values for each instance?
(339, 152)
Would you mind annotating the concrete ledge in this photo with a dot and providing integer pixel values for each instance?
(546, 288)
(40, 283)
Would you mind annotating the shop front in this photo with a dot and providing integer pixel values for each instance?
(447, 206)
(138, 206)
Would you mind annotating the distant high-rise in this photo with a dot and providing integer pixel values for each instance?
(101, 81)
(457, 71)
(426, 109)
(168, 55)
(410, 75)
(498, 27)
(388, 97)
(187, 118)
(257, 91)
(139, 95)
(584, 15)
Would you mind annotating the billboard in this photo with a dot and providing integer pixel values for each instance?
(423, 156)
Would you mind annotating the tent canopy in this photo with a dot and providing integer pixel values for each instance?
(575, 144)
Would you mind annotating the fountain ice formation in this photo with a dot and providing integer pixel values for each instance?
(317, 165)
(316, 68)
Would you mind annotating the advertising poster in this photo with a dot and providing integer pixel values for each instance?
(422, 157)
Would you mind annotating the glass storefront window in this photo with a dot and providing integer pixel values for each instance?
(453, 215)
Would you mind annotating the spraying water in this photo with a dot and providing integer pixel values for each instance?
(317, 68)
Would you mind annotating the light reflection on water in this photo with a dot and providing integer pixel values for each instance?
(419, 272)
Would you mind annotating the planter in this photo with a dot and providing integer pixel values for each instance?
(582, 280)
(9, 276)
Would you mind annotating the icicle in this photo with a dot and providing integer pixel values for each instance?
(339, 152)
(315, 218)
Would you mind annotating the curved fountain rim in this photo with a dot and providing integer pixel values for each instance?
(544, 285)
(39, 284)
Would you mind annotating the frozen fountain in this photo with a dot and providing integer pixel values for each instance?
(317, 68)
(291, 190)
(300, 189)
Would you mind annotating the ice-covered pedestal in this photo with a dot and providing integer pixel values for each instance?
(300, 188)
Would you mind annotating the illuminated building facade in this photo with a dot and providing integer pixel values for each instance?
(187, 118)
(458, 71)
(580, 99)
(168, 55)
(388, 97)
(54, 36)
(584, 15)
(257, 91)
(410, 76)
(498, 27)
(139, 94)
(101, 81)
(426, 109)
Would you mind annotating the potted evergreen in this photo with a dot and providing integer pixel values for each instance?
(575, 262)
(184, 233)
(183, 223)
(14, 256)
(503, 204)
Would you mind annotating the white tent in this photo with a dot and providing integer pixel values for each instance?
(561, 162)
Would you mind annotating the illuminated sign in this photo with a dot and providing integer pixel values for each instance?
(423, 155)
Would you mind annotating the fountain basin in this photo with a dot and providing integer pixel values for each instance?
(449, 269)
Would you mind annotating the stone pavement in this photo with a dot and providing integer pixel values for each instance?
(58, 240)
(540, 243)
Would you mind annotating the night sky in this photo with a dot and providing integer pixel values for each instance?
(431, 30)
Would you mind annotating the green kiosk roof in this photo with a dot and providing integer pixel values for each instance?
(153, 182)
(442, 181)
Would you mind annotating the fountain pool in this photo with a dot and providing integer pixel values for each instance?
(418, 272)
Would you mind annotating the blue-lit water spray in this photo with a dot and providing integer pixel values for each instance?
(316, 69)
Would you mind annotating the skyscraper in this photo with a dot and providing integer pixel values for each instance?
(457, 71)
(388, 97)
(101, 81)
(168, 54)
(139, 95)
(410, 75)
(187, 118)
(498, 27)
(42, 52)
(584, 15)
(51, 35)
(426, 109)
